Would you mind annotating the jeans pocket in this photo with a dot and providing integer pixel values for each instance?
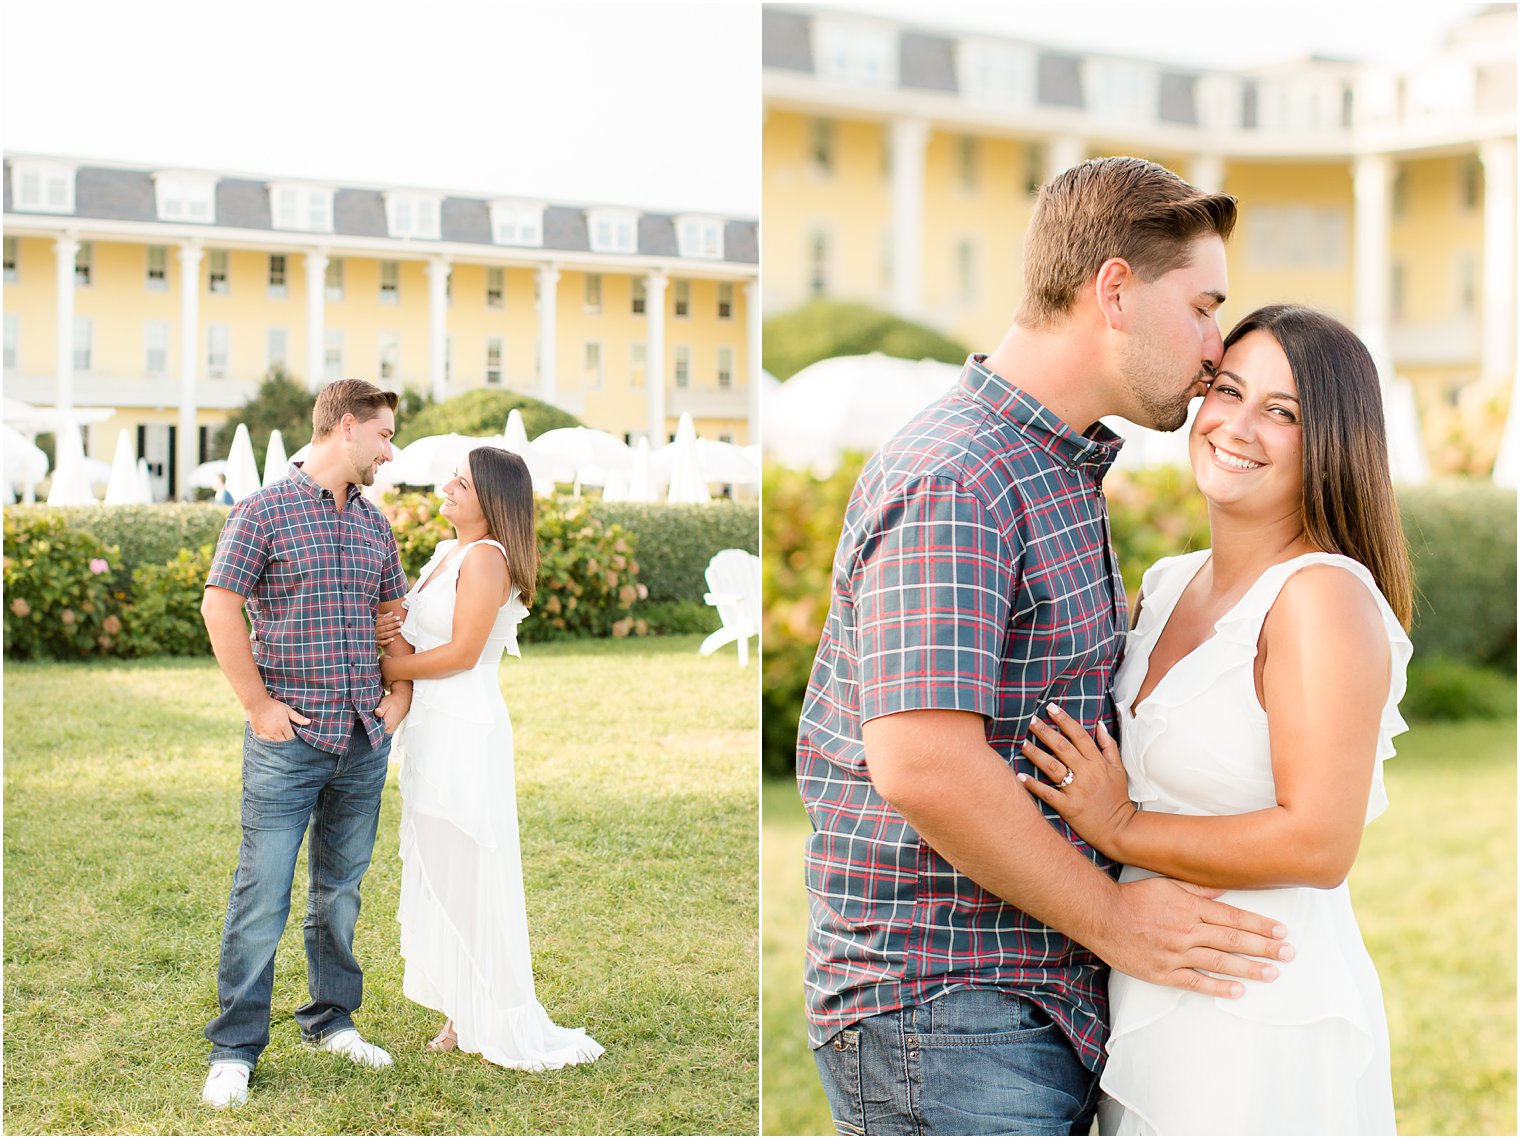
(839, 1068)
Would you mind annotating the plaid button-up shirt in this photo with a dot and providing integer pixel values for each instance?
(974, 573)
(314, 577)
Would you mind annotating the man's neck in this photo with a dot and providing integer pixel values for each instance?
(327, 467)
(1062, 368)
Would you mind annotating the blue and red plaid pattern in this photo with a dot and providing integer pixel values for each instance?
(974, 573)
(314, 577)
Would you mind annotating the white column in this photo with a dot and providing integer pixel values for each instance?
(654, 355)
(316, 332)
(1498, 157)
(1372, 181)
(1061, 154)
(1206, 172)
(66, 249)
(438, 270)
(548, 309)
(752, 310)
(187, 437)
(910, 140)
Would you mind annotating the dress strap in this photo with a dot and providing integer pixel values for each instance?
(490, 542)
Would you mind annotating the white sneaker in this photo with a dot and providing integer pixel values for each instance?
(349, 1043)
(227, 1085)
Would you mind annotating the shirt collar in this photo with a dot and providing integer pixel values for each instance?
(315, 489)
(1037, 422)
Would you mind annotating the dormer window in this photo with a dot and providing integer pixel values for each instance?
(413, 215)
(613, 231)
(1122, 90)
(1001, 73)
(700, 237)
(185, 196)
(517, 223)
(299, 205)
(41, 186)
(852, 51)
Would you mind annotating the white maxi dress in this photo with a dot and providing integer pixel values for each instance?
(464, 925)
(1306, 1054)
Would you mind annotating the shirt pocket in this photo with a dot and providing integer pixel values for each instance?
(363, 563)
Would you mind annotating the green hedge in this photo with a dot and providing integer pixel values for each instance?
(146, 535)
(676, 542)
(1462, 539)
(823, 329)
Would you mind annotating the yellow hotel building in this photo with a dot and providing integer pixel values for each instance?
(167, 295)
(902, 161)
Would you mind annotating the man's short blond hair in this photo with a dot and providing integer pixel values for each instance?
(342, 397)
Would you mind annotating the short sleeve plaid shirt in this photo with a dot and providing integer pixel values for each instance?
(314, 577)
(974, 573)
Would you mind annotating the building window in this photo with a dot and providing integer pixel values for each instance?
(185, 196)
(593, 292)
(84, 264)
(1122, 90)
(156, 348)
(390, 356)
(1398, 193)
(517, 223)
(217, 343)
(308, 208)
(1472, 183)
(216, 272)
(700, 237)
(996, 73)
(390, 282)
(10, 259)
(965, 269)
(1297, 237)
(42, 187)
(683, 298)
(818, 264)
(1034, 168)
(413, 215)
(495, 288)
(277, 349)
(158, 269)
(1467, 284)
(332, 354)
(725, 300)
(84, 338)
(725, 367)
(333, 280)
(854, 52)
(613, 231)
(638, 365)
(821, 145)
(593, 377)
(277, 287)
(640, 296)
(12, 340)
(966, 156)
(683, 365)
(493, 359)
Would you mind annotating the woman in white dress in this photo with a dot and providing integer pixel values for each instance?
(464, 926)
(1257, 701)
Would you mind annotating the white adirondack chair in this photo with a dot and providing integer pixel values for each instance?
(733, 577)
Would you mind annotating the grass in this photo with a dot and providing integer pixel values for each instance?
(636, 771)
(1435, 895)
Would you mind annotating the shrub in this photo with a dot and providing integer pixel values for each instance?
(587, 578)
(165, 615)
(482, 412)
(676, 542)
(823, 329)
(281, 404)
(1153, 513)
(58, 596)
(418, 527)
(146, 535)
(670, 618)
(1444, 689)
(1462, 542)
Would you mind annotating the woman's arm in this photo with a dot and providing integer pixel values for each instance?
(477, 598)
(1324, 683)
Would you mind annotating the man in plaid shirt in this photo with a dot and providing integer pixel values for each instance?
(956, 979)
(313, 561)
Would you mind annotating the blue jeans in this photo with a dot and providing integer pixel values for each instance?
(972, 1062)
(286, 784)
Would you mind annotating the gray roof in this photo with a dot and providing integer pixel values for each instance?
(926, 63)
(1060, 80)
(1178, 103)
(113, 194)
(784, 40)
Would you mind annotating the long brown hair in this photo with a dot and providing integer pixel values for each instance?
(1111, 207)
(505, 489)
(1348, 502)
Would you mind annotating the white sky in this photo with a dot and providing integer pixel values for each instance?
(653, 105)
(1227, 33)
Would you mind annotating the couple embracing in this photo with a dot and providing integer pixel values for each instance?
(1066, 864)
(316, 567)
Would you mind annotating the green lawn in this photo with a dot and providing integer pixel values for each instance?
(636, 773)
(1435, 894)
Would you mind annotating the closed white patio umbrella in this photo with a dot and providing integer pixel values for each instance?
(123, 487)
(687, 482)
(275, 462)
(71, 484)
(242, 468)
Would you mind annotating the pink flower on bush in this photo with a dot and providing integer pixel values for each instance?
(99, 565)
(19, 607)
(67, 617)
(111, 625)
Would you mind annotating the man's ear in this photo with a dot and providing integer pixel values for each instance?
(1113, 279)
(346, 425)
